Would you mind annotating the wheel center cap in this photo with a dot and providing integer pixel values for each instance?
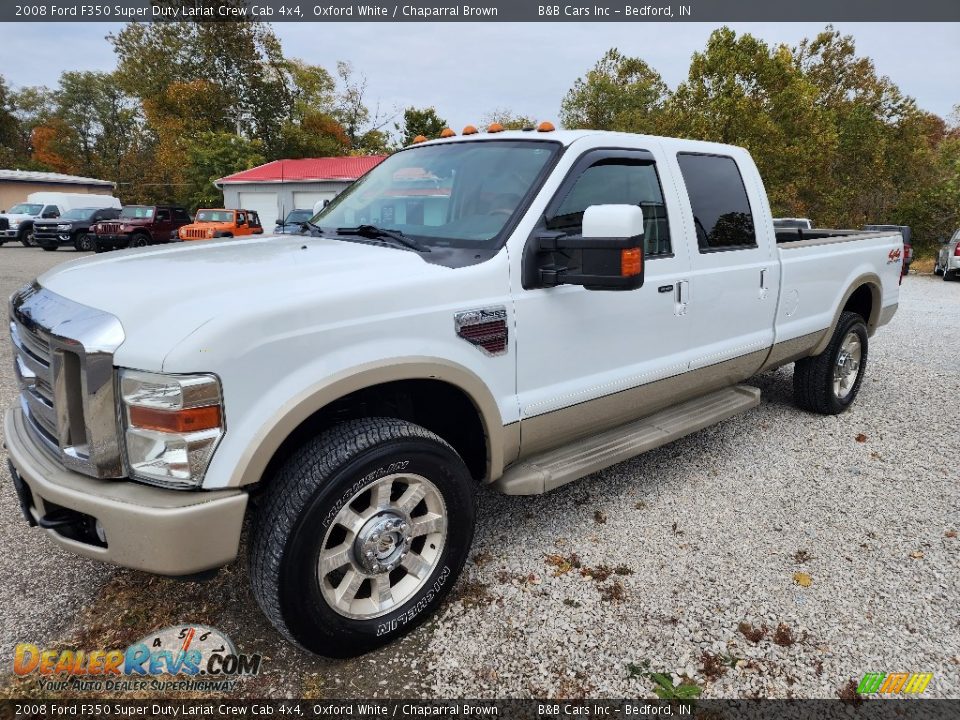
(382, 543)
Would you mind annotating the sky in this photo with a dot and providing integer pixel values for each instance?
(468, 70)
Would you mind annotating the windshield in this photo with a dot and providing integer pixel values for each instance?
(78, 214)
(455, 194)
(214, 216)
(136, 212)
(26, 209)
(299, 216)
(791, 224)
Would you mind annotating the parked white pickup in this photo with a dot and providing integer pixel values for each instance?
(516, 308)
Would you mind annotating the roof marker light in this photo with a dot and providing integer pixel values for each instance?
(447, 132)
(546, 126)
(419, 139)
(495, 127)
(469, 130)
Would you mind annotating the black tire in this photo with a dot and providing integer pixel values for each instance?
(50, 248)
(300, 509)
(98, 248)
(947, 275)
(82, 242)
(139, 240)
(26, 237)
(813, 377)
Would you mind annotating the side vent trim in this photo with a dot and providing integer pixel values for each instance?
(486, 328)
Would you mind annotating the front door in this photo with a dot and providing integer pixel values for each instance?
(584, 356)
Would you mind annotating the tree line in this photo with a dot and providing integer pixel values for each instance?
(191, 102)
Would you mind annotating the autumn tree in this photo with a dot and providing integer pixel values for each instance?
(419, 121)
(509, 119)
(211, 156)
(618, 93)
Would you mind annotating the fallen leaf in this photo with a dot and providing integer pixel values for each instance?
(917, 554)
(802, 579)
(950, 533)
(861, 438)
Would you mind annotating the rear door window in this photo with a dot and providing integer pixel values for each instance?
(721, 209)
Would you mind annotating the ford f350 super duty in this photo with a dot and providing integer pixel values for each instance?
(514, 308)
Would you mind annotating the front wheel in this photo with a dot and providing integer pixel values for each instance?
(49, 248)
(361, 534)
(83, 242)
(829, 382)
(26, 238)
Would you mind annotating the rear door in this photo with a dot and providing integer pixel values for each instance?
(734, 280)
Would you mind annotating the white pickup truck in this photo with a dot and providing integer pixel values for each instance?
(514, 308)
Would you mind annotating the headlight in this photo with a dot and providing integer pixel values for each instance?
(63, 226)
(172, 424)
(14, 223)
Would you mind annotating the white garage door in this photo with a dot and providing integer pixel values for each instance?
(306, 200)
(263, 203)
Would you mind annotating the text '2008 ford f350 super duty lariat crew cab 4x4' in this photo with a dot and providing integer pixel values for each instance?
(551, 304)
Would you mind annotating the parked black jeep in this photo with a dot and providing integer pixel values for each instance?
(71, 228)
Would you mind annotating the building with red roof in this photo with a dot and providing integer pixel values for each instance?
(276, 188)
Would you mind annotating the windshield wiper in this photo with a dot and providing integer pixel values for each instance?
(314, 227)
(375, 233)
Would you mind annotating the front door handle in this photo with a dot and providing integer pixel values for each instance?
(683, 296)
(763, 284)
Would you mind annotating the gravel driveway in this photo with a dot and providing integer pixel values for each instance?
(779, 554)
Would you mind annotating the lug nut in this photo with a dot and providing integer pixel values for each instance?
(375, 536)
(376, 567)
(369, 554)
(404, 527)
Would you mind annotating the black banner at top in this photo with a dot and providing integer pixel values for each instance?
(480, 11)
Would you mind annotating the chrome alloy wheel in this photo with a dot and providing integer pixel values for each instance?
(848, 365)
(382, 546)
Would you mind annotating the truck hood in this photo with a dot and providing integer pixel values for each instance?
(16, 217)
(162, 294)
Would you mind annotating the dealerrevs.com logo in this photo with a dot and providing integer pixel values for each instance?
(894, 683)
(196, 657)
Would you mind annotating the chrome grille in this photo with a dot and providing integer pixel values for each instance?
(66, 380)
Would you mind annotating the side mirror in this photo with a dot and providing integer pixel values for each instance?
(607, 255)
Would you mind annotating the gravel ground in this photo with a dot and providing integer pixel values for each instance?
(693, 560)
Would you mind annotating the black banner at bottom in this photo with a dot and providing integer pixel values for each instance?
(859, 709)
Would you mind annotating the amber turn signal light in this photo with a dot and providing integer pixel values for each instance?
(494, 128)
(469, 130)
(419, 139)
(175, 421)
(447, 132)
(631, 262)
(546, 126)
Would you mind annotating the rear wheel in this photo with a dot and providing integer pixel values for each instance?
(829, 382)
(947, 275)
(362, 533)
(139, 240)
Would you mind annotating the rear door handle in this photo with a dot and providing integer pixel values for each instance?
(763, 284)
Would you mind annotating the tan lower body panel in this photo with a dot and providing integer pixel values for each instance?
(555, 468)
(554, 429)
(169, 532)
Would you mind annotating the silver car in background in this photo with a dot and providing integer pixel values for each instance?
(948, 258)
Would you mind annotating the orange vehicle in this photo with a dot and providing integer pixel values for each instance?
(221, 223)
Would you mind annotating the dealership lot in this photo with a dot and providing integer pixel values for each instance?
(777, 554)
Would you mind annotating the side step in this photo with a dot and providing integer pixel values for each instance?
(550, 470)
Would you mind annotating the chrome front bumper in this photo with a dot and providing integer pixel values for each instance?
(168, 532)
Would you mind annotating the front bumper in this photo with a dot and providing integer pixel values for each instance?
(9, 233)
(168, 532)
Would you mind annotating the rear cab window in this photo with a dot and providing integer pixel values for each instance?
(721, 209)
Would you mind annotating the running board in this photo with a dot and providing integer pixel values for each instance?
(550, 470)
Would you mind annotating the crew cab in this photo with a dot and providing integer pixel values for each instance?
(221, 223)
(139, 226)
(551, 304)
(74, 227)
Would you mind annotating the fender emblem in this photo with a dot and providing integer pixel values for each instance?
(893, 256)
(485, 327)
